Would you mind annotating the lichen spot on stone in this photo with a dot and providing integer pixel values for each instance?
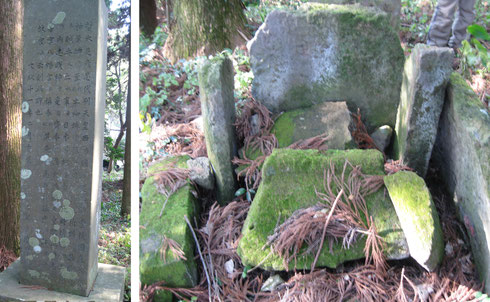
(67, 213)
(25, 173)
(66, 203)
(22, 195)
(25, 131)
(33, 241)
(51, 256)
(57, 194)
(30, 257)
(56, 227)
(57, 204)
(54, 239)
(67, 274)
(38, 234)
(25, 107)
(64, 242)
(34, 274)
(60, 16)
(37, 249)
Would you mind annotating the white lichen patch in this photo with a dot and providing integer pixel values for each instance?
(56, 227)
(33, 241)
(34, 274)
(68, 275)
(37, 249)
(57, 194)
(54, 239)
(25, 173)
(51, 256)
(57, 204)
(64, 242)
(25, 107)
(38, 234)
(46, 159)
(60, 16)
(22, 195)
(25, 131)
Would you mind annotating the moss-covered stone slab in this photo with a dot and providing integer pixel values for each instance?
(462, 151)
(218, 110)
(289, 180)
(425, 78)
(174, 271)
(332, 53)
(418, 217)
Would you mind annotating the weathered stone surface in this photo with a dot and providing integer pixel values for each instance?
(108, 287)
(172, 225)
(462, 151)
(289, 180)
(382, 137)
(418, 217)
(392, 7)
(425, 79)
(332, 53)
(218, 111)
(201, 172)
(64, 73)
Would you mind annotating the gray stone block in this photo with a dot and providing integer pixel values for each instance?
(218, 111)
(462, 151)
(201, 172)
(62, 142)
(425, 79)
(325, 53)
(382, 137)
(108, 287)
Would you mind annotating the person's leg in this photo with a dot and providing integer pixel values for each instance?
(440, 26)
(464, 18)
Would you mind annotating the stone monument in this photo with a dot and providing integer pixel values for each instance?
(62, 143)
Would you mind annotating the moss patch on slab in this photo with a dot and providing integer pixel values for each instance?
(175, 272)
(418, 217)
(290, 178)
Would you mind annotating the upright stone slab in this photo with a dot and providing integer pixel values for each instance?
(462, 151)
(62, 142)
(327, 52)
(218, 111)
(425, 78)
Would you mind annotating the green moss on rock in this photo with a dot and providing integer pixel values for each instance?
(175, 272)
(418, 217)
(290, 178)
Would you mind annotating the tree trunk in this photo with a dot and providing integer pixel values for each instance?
(11, 15)
(148, 16)
(126, 198)
(204, 27)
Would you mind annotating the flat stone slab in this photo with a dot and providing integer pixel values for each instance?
(289, 181)
(109, 286)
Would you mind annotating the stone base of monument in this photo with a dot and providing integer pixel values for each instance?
(109, 286)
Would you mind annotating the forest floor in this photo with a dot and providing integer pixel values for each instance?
(169, 106)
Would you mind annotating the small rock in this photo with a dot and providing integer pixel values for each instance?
(230, 267)
(382, 137)
(201, 172)
(255, 124)
(198, 123)
(272, 283)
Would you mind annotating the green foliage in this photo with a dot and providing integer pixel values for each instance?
(113, 153)
(415, 19)
(474, 56)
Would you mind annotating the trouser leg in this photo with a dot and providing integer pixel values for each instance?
(440, 26)
(464, 18)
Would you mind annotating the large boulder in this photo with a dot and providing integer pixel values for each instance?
(391, 7)
(425, 79)
(175, 272)
(290, 179)
(462, 152)
(418, 217)
(325, 52)
(218, 111)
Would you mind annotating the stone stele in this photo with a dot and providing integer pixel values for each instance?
(62, 142)
(327, 52)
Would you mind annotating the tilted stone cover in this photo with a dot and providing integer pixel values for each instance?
(462, 151)
(172, 225)
(418, 217)
(330, 52)
(290, 178)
